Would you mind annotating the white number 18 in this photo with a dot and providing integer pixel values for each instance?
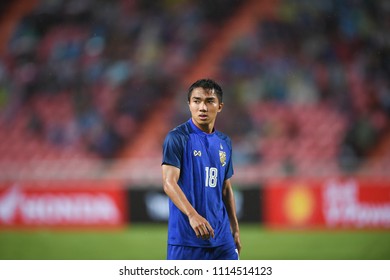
(211, 177)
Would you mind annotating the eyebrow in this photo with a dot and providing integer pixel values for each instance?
(207, 98)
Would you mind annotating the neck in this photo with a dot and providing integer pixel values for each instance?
(207, 128)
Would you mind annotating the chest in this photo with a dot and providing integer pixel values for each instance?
(208, 151)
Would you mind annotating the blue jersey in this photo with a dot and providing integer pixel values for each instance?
(205, 163)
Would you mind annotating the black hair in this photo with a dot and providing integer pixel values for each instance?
(206, 84)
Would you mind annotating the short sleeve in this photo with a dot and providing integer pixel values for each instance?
(229, 169)
(172, 150)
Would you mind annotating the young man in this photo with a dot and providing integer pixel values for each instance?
(196, 170)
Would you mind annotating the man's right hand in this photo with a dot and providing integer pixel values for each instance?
(201, 226)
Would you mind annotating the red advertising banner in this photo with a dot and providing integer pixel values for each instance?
(62, 204)
(331, 203)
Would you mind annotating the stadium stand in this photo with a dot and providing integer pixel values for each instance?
(77, 86)
(307, 90)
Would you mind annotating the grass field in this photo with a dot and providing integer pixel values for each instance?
(148, 242)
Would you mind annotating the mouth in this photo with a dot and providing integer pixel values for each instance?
(203, 117)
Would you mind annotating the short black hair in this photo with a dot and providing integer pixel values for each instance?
(206, 84)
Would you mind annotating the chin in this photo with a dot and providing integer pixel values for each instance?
(203, 121)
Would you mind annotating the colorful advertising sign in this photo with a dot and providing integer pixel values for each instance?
(62, 204)
(333, 203)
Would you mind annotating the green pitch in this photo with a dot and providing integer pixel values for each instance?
(148, 242)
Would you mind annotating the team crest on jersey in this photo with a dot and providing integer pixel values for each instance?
(222, 157)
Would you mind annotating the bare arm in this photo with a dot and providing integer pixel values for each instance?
(200, 225)
(228, 199)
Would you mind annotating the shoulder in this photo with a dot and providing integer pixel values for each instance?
(224, 137)
(181, 131)
(179, 134)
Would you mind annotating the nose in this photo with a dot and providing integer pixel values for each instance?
(202, 107)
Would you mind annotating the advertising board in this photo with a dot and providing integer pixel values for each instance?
(62, 204)
(331, 203)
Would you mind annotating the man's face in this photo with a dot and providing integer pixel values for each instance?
(204, 106)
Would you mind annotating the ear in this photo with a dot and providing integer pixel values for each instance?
(220, 106)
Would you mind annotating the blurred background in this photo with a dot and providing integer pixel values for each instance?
(89, 89)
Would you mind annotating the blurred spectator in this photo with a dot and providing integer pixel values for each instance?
(35, 124)
(359, 139)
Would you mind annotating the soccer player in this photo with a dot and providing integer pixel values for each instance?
(196, 170)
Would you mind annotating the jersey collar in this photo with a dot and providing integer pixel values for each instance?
(198, 130)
